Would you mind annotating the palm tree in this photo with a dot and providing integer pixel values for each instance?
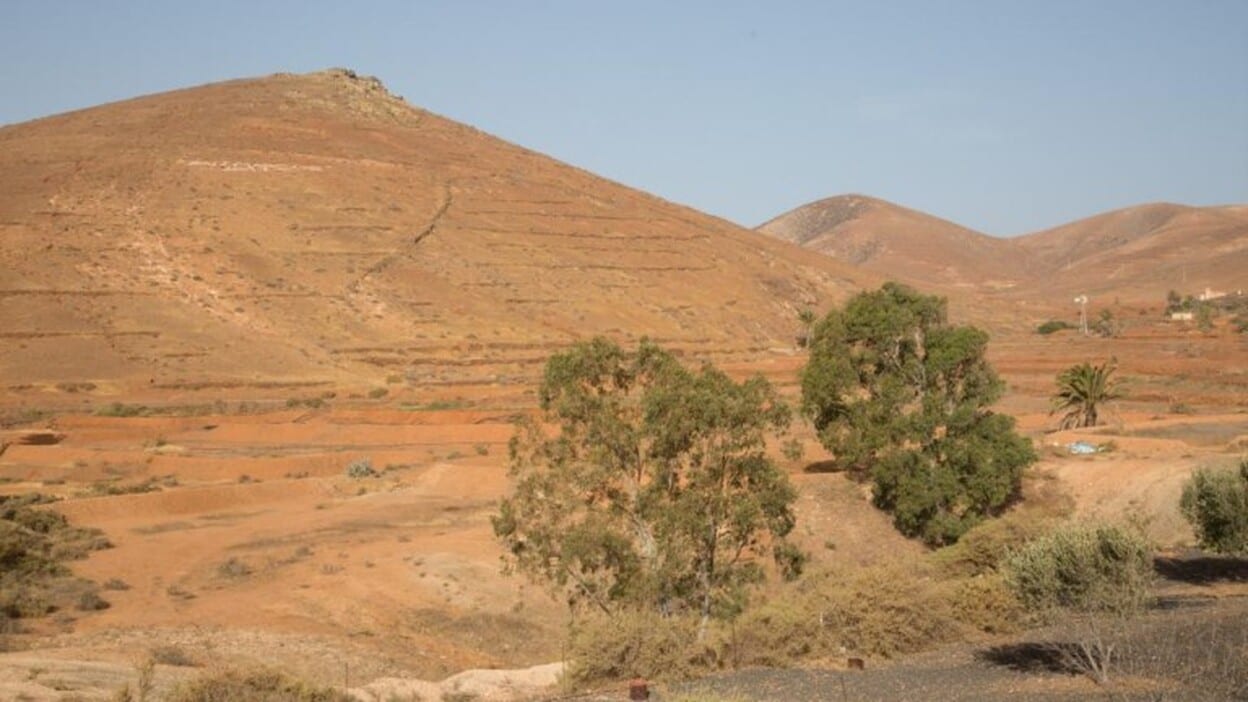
(1081, 389)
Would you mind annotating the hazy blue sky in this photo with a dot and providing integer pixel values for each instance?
(1006, 116)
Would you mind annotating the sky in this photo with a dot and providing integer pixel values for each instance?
(1007, 116)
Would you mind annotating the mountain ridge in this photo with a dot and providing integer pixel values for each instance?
(1140, 251)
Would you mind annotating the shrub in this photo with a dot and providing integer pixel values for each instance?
(253, 686)
(118, 409)
(633, 643)
(1053, 325)
(1095, 578)
(1089, 569)
(986, 603)
(983, 548)
(234, 569)
(172, 655)
(879, 611)
(1215, 502)
(91, 601)
(362, 468)
(378, 393)
(33, 545)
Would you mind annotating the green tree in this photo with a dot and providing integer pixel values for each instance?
(894, 389)
(1174, 301)
(1204, 317)
(1106, 325)
(1215, 502)
(656, 491)
(1081, 391)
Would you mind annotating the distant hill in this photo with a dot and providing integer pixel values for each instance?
(1144, 251)
(1136, 253)
(297, 229)
(898, 242)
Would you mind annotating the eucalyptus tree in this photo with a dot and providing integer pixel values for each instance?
(645, 484)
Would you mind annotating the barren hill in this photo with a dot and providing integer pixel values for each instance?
(303, 229)
(1144, 251)
(1137, 253)
(899, 242)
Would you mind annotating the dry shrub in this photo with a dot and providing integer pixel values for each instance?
(168, 654)
(634, 643)
(983, 548)
(877, 611)
(777, 633)
(888, 610)
(986, 603)
(259, 685)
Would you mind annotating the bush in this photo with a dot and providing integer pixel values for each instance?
(984, 547)
(1088, 569)
(91, 601)
(1215, 502)
(172, 655)
(362, 468)
(634, 643)
(1053, 325)
(876, 611)
(233, 569)
(253, 686)
(34, 543)
(986, 603)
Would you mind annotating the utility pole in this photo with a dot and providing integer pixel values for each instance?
(1082, 301)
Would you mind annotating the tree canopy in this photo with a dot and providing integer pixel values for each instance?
(655, 490)
(896, 391)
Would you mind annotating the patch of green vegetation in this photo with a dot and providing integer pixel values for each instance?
(435, 406)
(362, 468)
(119, 409)
(24, 415)
(1052, 326)
(378, 393)
(1215, 503)
(115, 487)
(34, 544)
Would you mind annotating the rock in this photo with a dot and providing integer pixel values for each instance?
(483, 685)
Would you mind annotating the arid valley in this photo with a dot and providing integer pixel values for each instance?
(215, 302)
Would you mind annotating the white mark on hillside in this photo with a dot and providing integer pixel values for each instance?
(248, 167)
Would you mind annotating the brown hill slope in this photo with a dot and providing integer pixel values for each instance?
(1142, 252)
(1137, 253)
(900, 243)
(304, 229)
